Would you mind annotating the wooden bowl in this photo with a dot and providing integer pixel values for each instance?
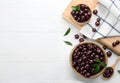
(96, 75)
(81, 23)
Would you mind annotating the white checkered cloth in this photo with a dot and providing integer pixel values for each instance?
(109, 12)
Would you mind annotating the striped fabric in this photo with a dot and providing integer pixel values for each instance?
(109, 12)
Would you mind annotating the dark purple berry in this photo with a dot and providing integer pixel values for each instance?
(98, 19)
(104, 47)
(94, 29)
(97, 23)
(109, 53)
(81, 39)
(113, 44)
(95, 12)
(117, 42)
(76, 36)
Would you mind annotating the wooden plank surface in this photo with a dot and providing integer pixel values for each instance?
(108, 42)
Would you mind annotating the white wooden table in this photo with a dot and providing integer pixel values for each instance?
(31, 43)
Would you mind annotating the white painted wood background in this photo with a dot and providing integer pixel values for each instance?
(31, 43)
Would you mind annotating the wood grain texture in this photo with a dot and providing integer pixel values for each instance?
(66, 14)
(108, 43)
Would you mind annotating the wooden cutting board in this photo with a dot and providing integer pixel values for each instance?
(66, 14)
(92, 4)
(108, 43)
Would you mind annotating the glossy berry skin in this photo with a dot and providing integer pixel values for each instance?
(84, 56)
(83, 14)
(95, 12)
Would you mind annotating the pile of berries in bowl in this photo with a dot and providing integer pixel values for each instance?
(81, 14)
(88, 59)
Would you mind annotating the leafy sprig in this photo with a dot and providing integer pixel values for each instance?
(98, 65)
(103, 64)
(76, 8)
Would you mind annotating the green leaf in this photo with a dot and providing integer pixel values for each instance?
(67, 32)
(98, 60)
(68, 43)
(74, 7)
(97, 67)
(119, 71)
(103, 64)
(94, 65)
(77, 8)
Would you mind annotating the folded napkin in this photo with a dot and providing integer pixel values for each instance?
(109, 12)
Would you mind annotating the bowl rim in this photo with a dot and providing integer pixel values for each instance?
(81, 23)
(96, 75)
